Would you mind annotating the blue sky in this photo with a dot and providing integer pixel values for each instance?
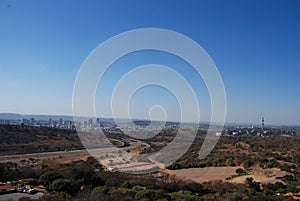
(254, 44)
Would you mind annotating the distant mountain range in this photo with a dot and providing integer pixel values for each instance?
(12, 116)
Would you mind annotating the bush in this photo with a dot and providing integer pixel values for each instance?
(193, 187)
(32, 182)
(69, 186)
(240, 171)
(149, 195)
(56, 196)
(49, 177)
(103, 190)
(183, 195)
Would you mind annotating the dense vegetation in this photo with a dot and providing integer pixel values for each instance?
(281, 152)
(16, 139)
(87, 181)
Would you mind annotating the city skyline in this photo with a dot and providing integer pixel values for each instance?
(255, 46)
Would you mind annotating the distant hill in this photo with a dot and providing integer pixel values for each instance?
(17, 139)
(12, 116)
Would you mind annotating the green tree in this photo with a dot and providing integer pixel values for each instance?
(69, 186)
(56, 196)
(32, 182)
(183, 196)
(252, 184)
(239, 171)
(49, 177)
(149, 195)
(101, 190)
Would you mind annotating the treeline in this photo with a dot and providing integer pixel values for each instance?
(18, 139)
(87, 181)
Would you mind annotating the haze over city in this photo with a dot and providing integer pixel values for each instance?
(255, 48)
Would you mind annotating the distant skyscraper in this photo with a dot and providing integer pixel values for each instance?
(90, 122)
(262, 123)
(32, 121)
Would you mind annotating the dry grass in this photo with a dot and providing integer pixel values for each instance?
(55, 157)
(258, 175)
(205, 174)
(221, 173)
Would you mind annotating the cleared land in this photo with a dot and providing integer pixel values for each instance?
(221, 173)
(205, 174)
(258, 175)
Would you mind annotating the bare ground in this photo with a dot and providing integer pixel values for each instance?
(205, 174)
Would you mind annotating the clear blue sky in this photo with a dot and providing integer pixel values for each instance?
(254, 44)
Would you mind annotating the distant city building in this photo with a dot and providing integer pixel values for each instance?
(32, 121)
(90, 122)
(25, 121)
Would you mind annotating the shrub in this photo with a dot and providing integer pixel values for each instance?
(69, 186)
(56, 196)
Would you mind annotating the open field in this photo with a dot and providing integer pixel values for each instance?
(205, 174)
(258, 175)
(257, 178)
(221, 173)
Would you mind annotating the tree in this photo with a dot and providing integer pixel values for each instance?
(103, 190)
(239, 171)
(49, 177)
(69, 186)
(56, 196)
(32, 182)
(191, 186)
(252, 184)
(149, 195)
(183, 195)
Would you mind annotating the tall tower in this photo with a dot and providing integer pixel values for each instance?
(262, 123)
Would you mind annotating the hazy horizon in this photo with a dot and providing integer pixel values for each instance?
(257, 123)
